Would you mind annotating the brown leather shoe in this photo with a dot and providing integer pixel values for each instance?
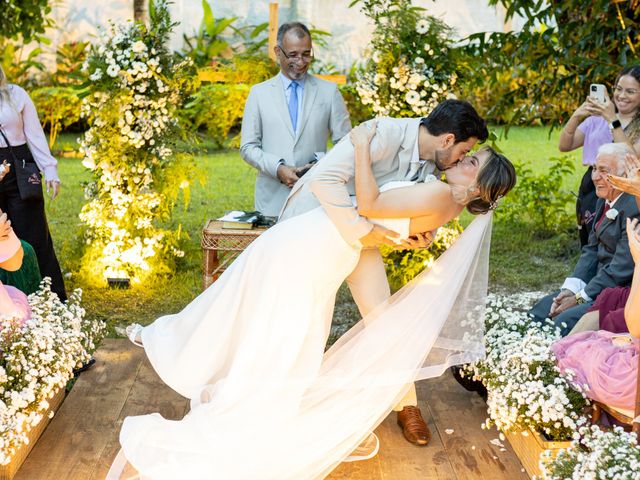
(413, 426)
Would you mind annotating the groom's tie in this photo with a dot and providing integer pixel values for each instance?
(293, 104)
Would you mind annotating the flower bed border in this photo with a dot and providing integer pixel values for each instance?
(7, 472)
(528, 449)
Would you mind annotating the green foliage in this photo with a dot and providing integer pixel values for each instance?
(541, 200)
(58, 108)
(19, 66)
(404, 265)
(135, 92)
(411, 66)
(69, 59)
(24, 19)
(217, 108)
(358, 111)
(562, 48)
(208, 43)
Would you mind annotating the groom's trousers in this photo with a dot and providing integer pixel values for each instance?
(369, 287)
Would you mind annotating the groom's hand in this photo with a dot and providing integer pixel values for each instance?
(379, 236)
(419, 240)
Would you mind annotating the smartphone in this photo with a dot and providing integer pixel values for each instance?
(597, 91)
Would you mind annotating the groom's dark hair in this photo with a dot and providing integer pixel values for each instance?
(457, 117)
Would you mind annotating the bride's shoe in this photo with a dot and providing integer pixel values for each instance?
(134, 333)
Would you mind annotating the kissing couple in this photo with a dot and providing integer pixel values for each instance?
(267, 401)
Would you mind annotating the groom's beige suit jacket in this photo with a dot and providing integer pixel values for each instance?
(268, 135)
(330, 183)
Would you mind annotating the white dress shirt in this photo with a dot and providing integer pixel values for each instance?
(19, 122)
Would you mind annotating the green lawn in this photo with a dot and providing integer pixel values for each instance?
(518, 261)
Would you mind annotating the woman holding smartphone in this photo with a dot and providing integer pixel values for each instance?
(595, 123)
(23, 144)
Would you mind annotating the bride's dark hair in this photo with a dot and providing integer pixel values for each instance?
(496, 178)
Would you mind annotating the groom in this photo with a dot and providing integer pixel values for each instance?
(402, 149)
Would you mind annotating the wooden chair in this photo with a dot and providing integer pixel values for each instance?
(630, 418)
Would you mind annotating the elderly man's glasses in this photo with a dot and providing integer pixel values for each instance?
(305, 57)
(628, 91)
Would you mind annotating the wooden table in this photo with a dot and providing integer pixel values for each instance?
(220, 246)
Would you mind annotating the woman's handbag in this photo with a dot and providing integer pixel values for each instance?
(28, 176)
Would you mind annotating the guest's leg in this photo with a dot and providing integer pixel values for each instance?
(29, 221)
(540, 310)
(568, 319)
(589, 321)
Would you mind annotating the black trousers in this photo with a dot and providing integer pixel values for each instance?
(29, 221)
(586, 206)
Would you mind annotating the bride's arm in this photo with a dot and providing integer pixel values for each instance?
(432, 199)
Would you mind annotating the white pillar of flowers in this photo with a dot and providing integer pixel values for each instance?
(135, 91)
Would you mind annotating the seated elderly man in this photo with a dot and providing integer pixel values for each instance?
(605, 261)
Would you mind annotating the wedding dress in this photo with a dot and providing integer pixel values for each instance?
(266, 402)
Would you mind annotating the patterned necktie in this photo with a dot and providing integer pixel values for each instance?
(604, 214)
(293, 105)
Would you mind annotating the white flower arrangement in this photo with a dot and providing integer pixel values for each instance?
(38, 358)
(410, 68)
(611, 214)
(595, 454)
(525, 387)
(133, 112)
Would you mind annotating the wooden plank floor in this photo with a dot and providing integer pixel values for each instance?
(82, 439)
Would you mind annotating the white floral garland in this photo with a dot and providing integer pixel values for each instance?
(37, 359)
(525, 387)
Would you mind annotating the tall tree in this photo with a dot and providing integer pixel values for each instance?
(26, 19)
(544, 70)
(140, 11)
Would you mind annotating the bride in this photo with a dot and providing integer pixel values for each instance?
(266, 401)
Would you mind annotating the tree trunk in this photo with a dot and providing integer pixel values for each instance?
(140, 11)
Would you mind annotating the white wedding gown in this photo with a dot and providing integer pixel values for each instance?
(266, 402)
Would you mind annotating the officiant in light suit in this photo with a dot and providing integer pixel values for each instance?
(288, 118)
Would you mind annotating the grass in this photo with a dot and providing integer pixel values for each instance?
(520, 260)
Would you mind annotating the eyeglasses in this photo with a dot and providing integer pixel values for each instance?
(305, 57)
(628, 91)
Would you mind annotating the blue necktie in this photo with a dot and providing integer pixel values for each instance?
(293, 104)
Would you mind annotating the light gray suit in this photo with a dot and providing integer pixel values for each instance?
(330, 184)
(268, 136)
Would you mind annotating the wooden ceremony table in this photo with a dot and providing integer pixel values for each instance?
(220, 246)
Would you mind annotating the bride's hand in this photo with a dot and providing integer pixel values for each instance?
(363, 133)
(630, 184)
(633, 235)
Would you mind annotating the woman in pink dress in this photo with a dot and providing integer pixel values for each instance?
(13, 302)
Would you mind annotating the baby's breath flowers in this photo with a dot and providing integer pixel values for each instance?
(525, 387)
(136, 90)
(410, 67)
(38, 358)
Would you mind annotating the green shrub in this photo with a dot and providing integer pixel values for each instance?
(58, 108)
(540, 199)
(404, 265)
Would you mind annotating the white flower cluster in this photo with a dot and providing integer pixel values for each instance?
(133, 114)
(595, 455)
(525, 387)
(411, 86)
(38, 358)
